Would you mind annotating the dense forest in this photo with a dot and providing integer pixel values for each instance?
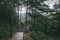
(8, 18)
(44, 22)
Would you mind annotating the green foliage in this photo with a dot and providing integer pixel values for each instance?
(5, 30)
(49, 25)
(8, 17)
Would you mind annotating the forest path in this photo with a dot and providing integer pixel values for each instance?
(17, 36)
